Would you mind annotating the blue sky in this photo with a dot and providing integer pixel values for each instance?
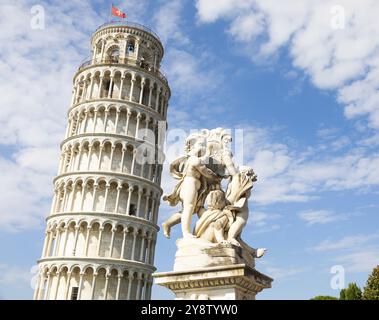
(299, 78)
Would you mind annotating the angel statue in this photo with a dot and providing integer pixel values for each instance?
(207, 162)
(193, 186)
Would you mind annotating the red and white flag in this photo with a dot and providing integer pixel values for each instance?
(117, 12)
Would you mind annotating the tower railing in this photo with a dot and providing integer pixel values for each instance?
(129, 24)
(128, 61)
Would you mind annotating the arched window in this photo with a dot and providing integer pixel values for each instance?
(146, 60)
(130, 46)
(114, 54)
(98, 47)
(132, 209)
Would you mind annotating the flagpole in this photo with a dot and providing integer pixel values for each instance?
(110, 13)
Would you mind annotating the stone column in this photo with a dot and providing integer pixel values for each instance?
(67, 285)
(77, 229)
(89, 228)
(119, 188)
(106, 196)
(133, 161)
(45, 244)
(151, 88)
(93, 285)
(66, 230)
(106, 114)
(133, 79)
(139, 116)
(99, 243)
(119, 277)
(135, 233)
(130, 191)
(91, 88)
(101, 148)
(80, 285)
(123, 159)
(140, 192)
(130, 278)
(106, 285)
(121, 87)
(112, 242)
(157, 98)
(95, 186)
(142, 248)
(142, 89)
(111, 159)
(128, 114)
(122, 254)
(100, 87)
(110, 87)
(116, 121)
(89, 156)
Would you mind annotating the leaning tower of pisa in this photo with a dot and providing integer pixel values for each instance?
(101, 232)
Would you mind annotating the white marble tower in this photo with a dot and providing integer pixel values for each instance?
(101, 232)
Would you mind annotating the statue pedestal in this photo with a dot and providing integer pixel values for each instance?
(208, 271)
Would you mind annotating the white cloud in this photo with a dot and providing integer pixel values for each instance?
(361, 260)
(348, 242)
(346, 60)
(14, 275)
(168, 21)
(320, 217)
(289, 173)
(23, 195)
(356, 253)
(188, 74)
(247, 27)
(36, 70)
(283, 272)
(261, 219)
(263, 222)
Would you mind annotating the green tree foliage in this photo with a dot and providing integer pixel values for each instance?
(352, 292)
(371, 291)
(324, 298)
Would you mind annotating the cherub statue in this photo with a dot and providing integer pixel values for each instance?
(216, 164)
(227, 214)
(192, 188)
(219, 224)
(238, 193)
(215, 222)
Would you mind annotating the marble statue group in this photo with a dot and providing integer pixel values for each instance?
(222, 211)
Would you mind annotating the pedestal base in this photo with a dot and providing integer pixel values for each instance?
(209, 271)
(231, 282)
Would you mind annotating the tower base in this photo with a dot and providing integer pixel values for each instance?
(205, 271)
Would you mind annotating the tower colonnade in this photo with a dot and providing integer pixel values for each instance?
(101, 232)
(116, 83)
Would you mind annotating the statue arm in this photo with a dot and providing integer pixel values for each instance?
(229, 164)
(174, 168)
(206, 172)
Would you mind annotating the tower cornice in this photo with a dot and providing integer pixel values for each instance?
(128, 27)
(119, 103)
(106, 216)
(100, 174)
